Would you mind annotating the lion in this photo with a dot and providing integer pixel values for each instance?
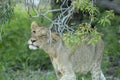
(86, 58)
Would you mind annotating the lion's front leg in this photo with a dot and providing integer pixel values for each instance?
(63, 67)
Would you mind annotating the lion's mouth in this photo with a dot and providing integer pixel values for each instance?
(33, 47)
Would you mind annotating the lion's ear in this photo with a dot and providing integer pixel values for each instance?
(34, 25)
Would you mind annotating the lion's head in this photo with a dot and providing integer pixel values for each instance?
(40, 36)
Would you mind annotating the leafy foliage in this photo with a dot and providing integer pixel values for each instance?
(84, 33)
(106, 18)
(85, 28)
(85, 6)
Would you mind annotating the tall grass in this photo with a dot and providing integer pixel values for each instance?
(15, 57)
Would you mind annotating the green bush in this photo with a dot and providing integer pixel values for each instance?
(14, 50)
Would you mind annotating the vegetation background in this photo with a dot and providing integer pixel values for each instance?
(18, 62)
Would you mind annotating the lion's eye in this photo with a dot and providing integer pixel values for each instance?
(34, 31)
(41, 36)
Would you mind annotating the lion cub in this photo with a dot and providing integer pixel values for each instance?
(86, 58)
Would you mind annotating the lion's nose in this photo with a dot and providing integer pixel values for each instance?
(33, 40)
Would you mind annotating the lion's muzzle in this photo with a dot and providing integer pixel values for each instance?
(32, 45)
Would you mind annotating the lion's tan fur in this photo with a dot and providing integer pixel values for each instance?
(85, 57)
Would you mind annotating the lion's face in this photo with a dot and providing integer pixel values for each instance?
(38, 36)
